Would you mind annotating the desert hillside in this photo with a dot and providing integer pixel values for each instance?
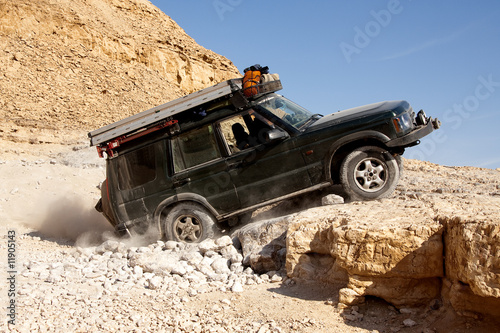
(68, 67)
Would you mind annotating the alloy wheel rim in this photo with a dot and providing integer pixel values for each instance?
(188, 228)
(370, 174)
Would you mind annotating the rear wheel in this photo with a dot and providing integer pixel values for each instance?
(189, 223)
(369, 173)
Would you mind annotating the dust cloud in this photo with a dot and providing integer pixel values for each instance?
(71, 219)
(138, 239)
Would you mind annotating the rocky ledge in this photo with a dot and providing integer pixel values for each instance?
(440, 245)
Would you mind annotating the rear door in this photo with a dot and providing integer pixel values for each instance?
(138, 178)
(261, 171)
(200, 170)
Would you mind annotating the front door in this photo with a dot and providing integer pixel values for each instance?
(261, 171)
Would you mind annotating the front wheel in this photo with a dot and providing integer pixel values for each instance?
(369, 173)
(189, 223)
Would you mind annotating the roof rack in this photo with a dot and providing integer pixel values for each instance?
(156, 114)
(150, 119)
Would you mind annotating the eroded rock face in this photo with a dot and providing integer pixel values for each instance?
(79, 65)
(391, 255)
(411, 249)
(308, 249)
(403, 264)
(472, 265)
(263, 244)
(473, 255)
(406, 251)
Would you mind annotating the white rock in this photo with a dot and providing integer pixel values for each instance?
(179, 269)
(276, 278)
(138, 271)
(207, 245)
(224, 241)
(144, 249)
(237, 287)
(155, 282)
(192, 257)
(220, 266)
(409, 323)
(332, 199)
(109, 245)
(248, 271)
(237, 268)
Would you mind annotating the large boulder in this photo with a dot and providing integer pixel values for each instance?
(408, 250)
(263, 243)
(385, 253)
(472, 260)
(309, 248)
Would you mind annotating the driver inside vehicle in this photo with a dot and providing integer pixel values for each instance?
(241, 136)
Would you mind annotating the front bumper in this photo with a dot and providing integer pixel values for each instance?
(412, 138)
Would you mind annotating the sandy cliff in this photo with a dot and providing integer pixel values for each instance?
(68, 67)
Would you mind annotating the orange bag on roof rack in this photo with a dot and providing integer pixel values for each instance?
(251, 81)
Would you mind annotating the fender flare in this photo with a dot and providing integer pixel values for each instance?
(363, 135)
(182, 197)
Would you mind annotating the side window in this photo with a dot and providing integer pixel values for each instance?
(244, 131)
(136, 168)
(193, 148)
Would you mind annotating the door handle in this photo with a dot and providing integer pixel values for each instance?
(180, 182)
(235, 165)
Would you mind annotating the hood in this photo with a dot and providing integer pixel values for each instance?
(397, 107)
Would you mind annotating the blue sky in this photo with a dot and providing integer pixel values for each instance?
(443, 57)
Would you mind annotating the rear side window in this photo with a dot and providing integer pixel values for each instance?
(193, 148)
(136, 168)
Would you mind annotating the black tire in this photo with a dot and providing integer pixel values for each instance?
(369, 173)
(190, 223)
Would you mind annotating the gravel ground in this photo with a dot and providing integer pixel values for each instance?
(68, 280)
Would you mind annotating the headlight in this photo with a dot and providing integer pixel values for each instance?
(402, 123)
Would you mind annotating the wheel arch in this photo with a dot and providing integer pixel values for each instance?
(341, 148)
(166, 205)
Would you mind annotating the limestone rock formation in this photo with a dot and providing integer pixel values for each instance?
(69, 67)
(473, 265)
(410, 249)
(389, 254)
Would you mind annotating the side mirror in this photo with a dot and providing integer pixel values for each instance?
(275, 135)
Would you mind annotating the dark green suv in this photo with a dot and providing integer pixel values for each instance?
(220, 161)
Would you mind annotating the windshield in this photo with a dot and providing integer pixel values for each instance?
(287, 110)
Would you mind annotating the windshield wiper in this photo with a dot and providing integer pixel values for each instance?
(311, 120)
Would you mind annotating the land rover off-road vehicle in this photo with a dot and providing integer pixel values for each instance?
(216, 155)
